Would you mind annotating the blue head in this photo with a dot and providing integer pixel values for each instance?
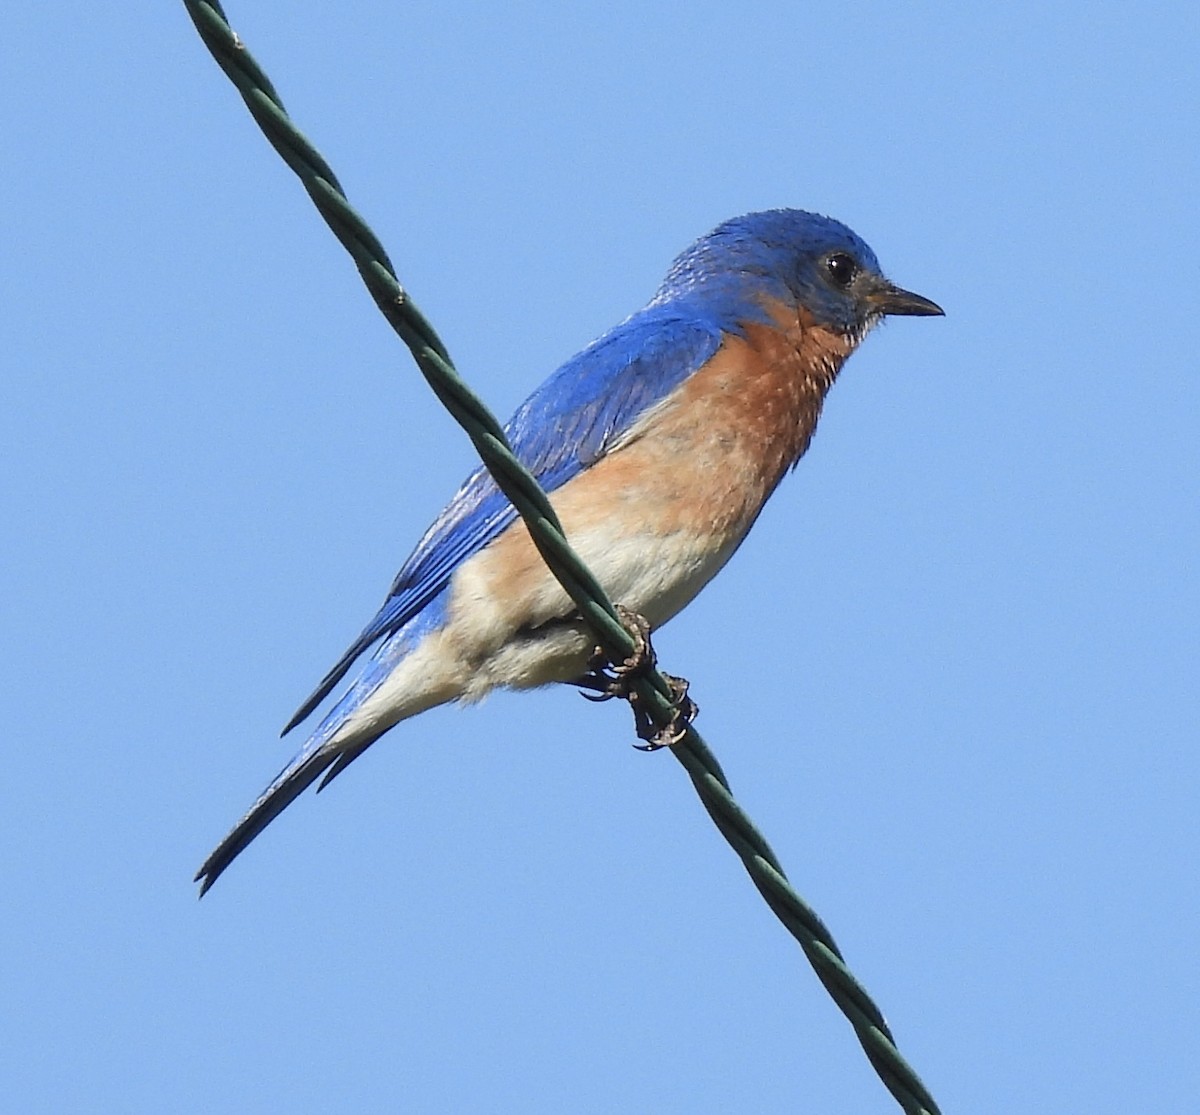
(793, 257)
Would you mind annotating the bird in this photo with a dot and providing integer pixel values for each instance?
(658, 445)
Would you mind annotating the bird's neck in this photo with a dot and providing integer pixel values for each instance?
(789, 369)
(748, 415)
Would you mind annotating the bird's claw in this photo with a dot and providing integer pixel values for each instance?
(609, 680)
(683, 712)
(616, 679)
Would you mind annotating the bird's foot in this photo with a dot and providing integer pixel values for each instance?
(683, 712)
(608, 680)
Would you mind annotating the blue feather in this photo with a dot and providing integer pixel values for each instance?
(564, 427)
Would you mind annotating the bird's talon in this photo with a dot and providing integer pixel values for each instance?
(609, 680)
(643, 659)
(673, 732)
(615, 679)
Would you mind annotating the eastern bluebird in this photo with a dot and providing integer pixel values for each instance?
(659, 443)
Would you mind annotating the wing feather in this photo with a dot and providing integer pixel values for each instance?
(561, 429)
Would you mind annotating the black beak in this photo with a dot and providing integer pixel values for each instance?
(889, 299)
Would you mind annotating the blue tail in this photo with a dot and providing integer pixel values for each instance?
(320, 755)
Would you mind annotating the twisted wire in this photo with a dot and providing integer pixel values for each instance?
(487, 435)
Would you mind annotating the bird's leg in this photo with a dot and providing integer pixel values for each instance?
(618, 679)
(614, 679)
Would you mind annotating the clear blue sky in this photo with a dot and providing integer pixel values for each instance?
(953, 674)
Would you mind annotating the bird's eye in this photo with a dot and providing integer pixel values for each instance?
(842, 269)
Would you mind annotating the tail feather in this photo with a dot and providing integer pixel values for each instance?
(322, 754)
(350, 727)
(328, 682)
(295, 778)
(322, 751)
(341, 763)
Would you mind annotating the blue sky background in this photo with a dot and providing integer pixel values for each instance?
(952, 675)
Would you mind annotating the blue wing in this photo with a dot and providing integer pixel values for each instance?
(561, 429)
